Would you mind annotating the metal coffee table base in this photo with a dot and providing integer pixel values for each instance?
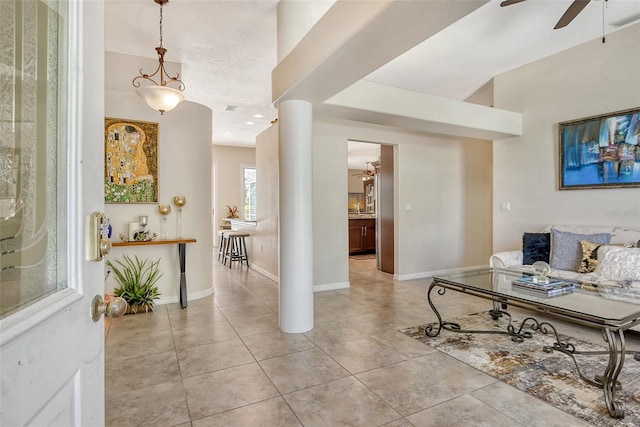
(608, 382)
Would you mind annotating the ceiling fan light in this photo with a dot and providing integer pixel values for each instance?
(160, 98)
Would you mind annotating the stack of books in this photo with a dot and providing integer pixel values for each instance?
(554, 287)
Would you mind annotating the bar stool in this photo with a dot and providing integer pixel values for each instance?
(235, 248)
(222, 240)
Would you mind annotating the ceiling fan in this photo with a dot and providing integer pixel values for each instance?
(569, 15)
(366, 174)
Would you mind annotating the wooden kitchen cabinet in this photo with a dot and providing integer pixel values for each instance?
(362, 236)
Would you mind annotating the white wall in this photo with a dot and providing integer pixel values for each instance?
(330, 207)
(230, 161)
(264, 239)
(184, 169)
(588, 80)
(445, 182)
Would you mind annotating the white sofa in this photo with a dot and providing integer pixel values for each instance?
(619, 236)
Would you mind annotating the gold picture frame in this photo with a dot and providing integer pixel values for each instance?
(131, 161)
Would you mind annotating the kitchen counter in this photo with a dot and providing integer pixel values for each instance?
(362, 215)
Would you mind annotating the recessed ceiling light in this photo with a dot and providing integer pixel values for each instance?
(258, 116)
(249, 123)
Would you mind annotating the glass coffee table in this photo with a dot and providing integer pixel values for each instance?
(585, 307)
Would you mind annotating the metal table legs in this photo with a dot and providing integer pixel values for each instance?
(614, 339)
(182, 254)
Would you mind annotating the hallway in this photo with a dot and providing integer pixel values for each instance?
(223, 362)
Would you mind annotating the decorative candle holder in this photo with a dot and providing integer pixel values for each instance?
(164, 211)
(179, 201)
(143, 220)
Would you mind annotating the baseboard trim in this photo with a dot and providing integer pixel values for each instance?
(264, 272)
(426, 274)
(331, 286)
(190, 297)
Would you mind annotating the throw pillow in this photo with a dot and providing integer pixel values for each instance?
(535, 247)
(566, 252)
(620, 264)
(590, 255)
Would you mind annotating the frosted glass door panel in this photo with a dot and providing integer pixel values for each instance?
(33, 49)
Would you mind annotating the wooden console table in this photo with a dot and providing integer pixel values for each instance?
(182, 254)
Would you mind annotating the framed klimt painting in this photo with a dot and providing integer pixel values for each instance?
(131, 161)
(601, 151)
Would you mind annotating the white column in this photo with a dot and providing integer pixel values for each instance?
(296, 204)
(295, 19)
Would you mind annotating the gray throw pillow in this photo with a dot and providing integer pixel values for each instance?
(566, 252)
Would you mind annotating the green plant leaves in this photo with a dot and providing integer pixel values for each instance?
(137, 279)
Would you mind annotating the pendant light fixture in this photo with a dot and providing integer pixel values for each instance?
(160, 96)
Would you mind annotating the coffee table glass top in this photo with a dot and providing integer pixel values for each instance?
(581, 303)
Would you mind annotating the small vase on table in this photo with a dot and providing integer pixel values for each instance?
(164, 211)
(179, 201)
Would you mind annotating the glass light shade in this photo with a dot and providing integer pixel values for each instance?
(160, 98)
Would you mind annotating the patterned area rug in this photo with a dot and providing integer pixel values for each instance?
(551, 377)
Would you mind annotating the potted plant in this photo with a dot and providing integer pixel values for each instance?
(137, 279)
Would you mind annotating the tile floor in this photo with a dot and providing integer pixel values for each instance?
(223, 362)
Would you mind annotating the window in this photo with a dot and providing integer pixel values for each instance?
(249, 199)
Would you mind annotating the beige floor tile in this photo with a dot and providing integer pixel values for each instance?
(457, 376)
(195, 316)
(216, 392)
(154, 321)
(462, 411)
(332, 332)
(401, 422)
(237, 299)
(245, 310)
(410, 387)
(158, 405)
(123, 345)
(524, 408)
(272, 344)
(255, 324)
(406, 346)
(362, 354)
(270, 413)
(344, 402)
(298, 379)
(211, 357)
(138, 372)
(203, 333)
(301, 370)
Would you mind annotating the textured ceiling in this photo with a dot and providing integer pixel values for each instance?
(228, 49)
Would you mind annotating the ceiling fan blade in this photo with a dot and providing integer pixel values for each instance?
(510, 2)
(570, 14)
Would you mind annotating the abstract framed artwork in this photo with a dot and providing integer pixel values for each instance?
(131, 161)
(601, 151)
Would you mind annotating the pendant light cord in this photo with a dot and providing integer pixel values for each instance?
(161, 25)
(603, 8)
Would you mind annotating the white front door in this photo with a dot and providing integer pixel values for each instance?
(51, 158)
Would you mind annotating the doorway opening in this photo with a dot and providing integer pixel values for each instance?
(370, 205)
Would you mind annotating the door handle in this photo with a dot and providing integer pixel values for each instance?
(99, 233)
(116, 307)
